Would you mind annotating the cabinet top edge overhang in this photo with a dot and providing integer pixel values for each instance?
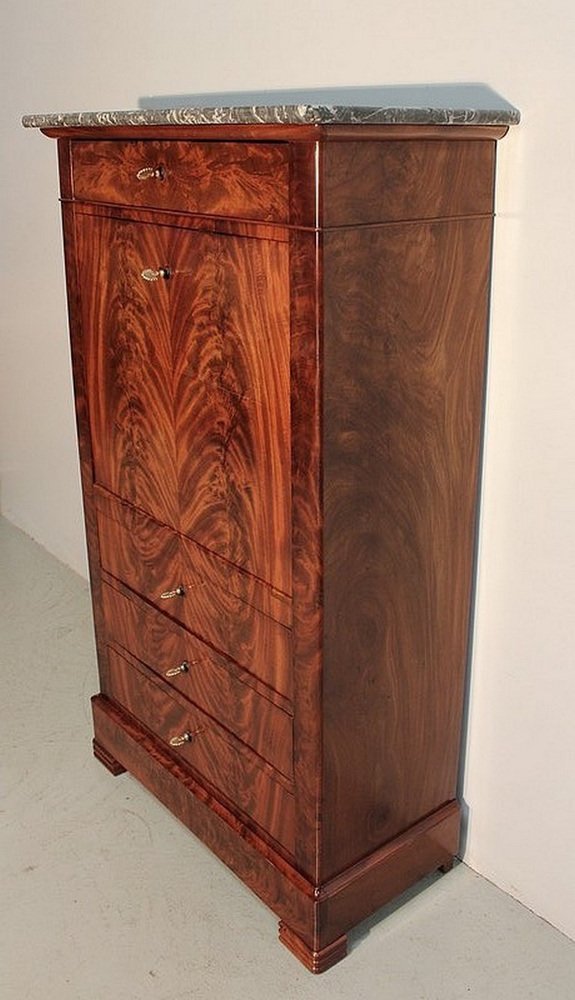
(456, 105)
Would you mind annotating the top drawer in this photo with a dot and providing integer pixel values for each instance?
(240, 179)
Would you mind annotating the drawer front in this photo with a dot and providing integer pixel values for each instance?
(243, 180)
(194, 669)
(137, 550)
(150, 559)
(231, 768)
(223, 574)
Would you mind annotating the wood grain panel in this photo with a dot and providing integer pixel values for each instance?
(415, 133)
(306, 380)
(212, 682)
(201, 562)
(138, 550)
(77, 345)
(151, 560)
(213, 753)
(305, 190)
(369, 182)
(199, 223)
(263, 865)
(231, 372)
(380, 877)
(128, 362)
(203, 495)
(316, 960)
(254, 640)
(249, 180)
(189, 384)
(250, 588)
(406, 314)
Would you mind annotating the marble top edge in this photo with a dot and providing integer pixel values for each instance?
(279, 114)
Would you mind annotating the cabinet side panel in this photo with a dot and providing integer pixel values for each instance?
(404, 356)
(411, 178)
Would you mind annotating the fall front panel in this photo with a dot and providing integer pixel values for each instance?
(187, 365)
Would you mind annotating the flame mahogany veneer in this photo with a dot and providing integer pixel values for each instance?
(279, 442)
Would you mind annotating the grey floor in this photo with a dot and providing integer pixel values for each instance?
(105, 895)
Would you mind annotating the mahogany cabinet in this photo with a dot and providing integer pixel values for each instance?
(279, 343)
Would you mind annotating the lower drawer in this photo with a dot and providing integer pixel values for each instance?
(151, 559)
(230, 767)
(214, 683)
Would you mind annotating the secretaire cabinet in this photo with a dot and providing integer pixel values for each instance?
(279, 342)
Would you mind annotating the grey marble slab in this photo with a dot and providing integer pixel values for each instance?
(433, 104)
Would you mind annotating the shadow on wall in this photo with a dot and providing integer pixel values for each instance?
(459, 96)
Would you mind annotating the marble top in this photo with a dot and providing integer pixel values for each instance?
(456, 104)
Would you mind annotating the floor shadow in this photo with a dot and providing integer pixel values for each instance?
(357, 934)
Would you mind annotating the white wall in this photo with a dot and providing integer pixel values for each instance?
(67, 55)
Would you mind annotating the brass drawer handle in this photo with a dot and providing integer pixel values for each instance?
(187, 737)
(183, 668)
(147, 173)
(180, 591)
(178, 741)
(153, 274)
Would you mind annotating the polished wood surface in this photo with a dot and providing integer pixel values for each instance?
(189, 413)
(370, 182)
(315, 959)
(403, 388)
(152, 560)
(195, 223)
(250, 784)
(230, 338)
(279, 451)
(128, 360)
(213, 682)
(262, 863)
(244, 179)
(191, 560)
(381, 876)
(105, 758)
(222, 573)
(306, 410)
(74, 295)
